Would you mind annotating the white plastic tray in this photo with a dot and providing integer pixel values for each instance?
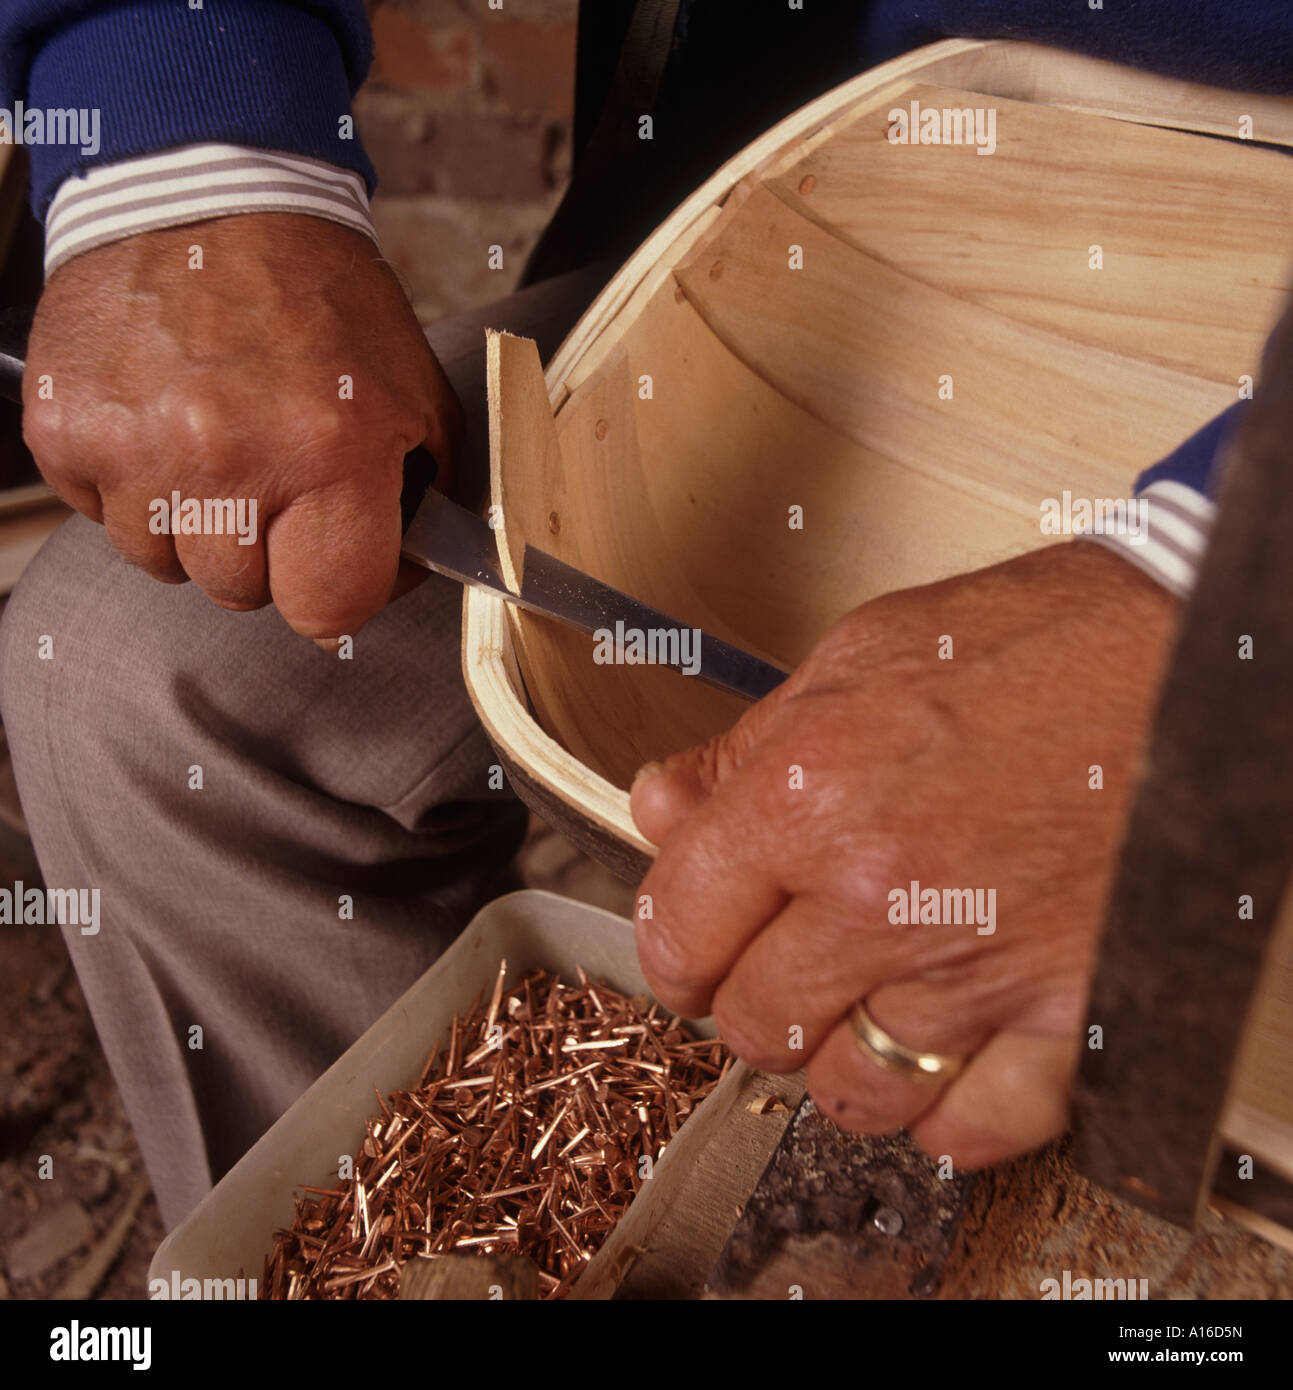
(228, 1234)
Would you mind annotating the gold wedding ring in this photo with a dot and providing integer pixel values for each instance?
(889, 1053)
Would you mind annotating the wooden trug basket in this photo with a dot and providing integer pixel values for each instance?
(774, 387)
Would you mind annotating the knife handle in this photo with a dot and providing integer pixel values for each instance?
(420, 466)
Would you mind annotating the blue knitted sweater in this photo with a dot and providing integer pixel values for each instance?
(271, 74)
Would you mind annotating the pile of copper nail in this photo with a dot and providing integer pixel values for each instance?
(531, 1133)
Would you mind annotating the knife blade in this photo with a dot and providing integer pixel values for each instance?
(442, 536)
(456, 542)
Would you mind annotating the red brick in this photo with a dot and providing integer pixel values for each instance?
(530, 67)
(495, 157)
(460, 154)
(396, 132)
(410, 55)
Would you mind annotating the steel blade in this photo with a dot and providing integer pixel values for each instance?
(455, 542)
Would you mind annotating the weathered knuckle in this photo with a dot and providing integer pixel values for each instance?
(727, 752)
(320, 429)
(716, 760)
(968, 1149)
(748, 1042)
(47, 434)
(854, 1110)
(324, 620)
(238, 589)
(232, 602)
(198, 429)
(144, 557)
(668, 961)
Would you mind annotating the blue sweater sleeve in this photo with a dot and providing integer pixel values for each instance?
(270, 74)
(1192, 463)
(1247, 46)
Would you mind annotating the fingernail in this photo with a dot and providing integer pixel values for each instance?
(645, 771)
(327, 644)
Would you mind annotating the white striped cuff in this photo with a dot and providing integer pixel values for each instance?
(191, 184)
(1170, 546)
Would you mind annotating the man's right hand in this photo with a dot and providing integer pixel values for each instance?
(225, 382)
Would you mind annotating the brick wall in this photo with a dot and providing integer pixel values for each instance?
(467, 116)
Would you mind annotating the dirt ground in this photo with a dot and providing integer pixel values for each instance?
(92, 1226)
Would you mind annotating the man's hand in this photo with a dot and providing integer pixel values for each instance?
(225, 382)
(771, 903)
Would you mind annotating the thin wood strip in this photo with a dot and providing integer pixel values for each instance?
(1169, 288)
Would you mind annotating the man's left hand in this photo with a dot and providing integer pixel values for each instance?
(1007, 765)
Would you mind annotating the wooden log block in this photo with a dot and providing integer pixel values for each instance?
(842, 1216)
(505, 1277)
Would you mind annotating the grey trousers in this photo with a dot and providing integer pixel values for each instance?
(228, 972)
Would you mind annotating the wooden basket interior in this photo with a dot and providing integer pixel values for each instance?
(908, 347)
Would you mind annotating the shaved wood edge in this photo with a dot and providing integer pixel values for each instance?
(513, 730)
(511, 544)
(1018, 71)
(526, 475)
(1249, 1129)
(675, 1229)
(460, 1276)
(1256, 1119)
(1270, 1231)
